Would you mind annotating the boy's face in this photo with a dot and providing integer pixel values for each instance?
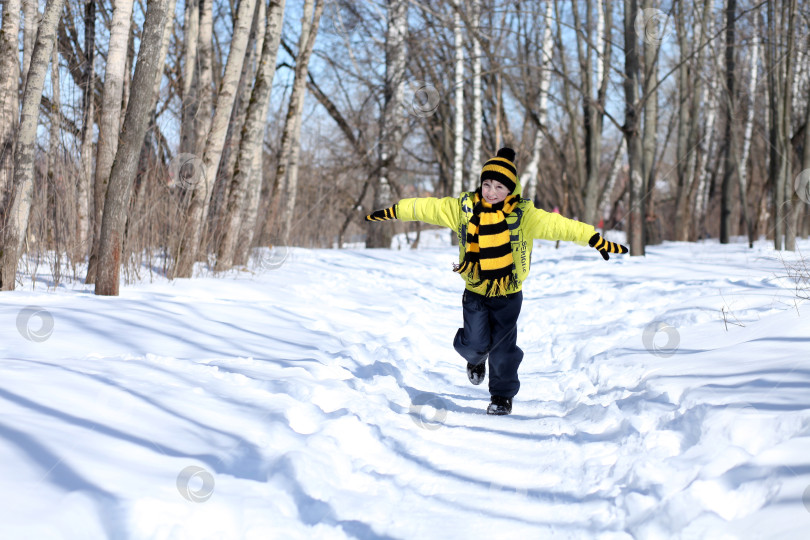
(493, 191)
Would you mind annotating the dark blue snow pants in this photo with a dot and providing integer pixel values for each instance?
(490, 327)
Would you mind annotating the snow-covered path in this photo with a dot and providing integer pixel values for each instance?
(662, 397)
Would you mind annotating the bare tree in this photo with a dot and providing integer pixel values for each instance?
(742, 166)
(708, 141)
(164, 47)
(529, 176)
(136, 120)
(53, 153)
(20, 203)
(391, 127)
(651, 50)
(458, 102)
(230, 149)
(570, 109)
(309, 30)
(186, 253)
(88, 120)
(204, 93)
(9, 97)
(477, 114)
(109, 121)
(806, 150)
(691, 98)
(191, 33)
(780, 86)
(31, 18)
(730, 149)
(791, 200)
(250, 212)
(631, 130)
(245, 184)
(594, 95)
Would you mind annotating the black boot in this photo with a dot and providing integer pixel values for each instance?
(477, 372)
(500, 406)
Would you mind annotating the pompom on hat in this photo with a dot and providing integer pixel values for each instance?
(501, 168)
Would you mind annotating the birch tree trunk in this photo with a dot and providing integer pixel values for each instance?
(164, 49)
(204, 89)
(31, 22)
(88, 120)
(291, 192)
(191, 34)
(772, 70)
(195, 217)
(498, 108)
(530, 174)
(130, 61)
(692, 100)
(138, 113)
(779, 85)
(652, 46)
(391, 128)
(709, 141)
(109, 121)
(604, 26)
(24, 152)
(232, 140)
(9, 98)
(730, 166)
(591, 116)
(246, 184)
(51, 206)
(569, 108)
(607, 197)
(635, 234)
(682, 148)
(250, 212)
(790, 198)
(806, 150)
(288, 136)
(742, 165)
(477, 114)
(800, 218)
(458, 103)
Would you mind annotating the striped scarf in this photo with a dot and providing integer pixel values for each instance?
(488, 257)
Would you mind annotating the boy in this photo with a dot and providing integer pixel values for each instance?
(496, 229)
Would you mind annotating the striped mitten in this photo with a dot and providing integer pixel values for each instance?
(606, 247)
(383, 215)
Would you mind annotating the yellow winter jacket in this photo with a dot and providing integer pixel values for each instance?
(526, 223)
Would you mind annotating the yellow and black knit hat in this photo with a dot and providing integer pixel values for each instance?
(501, 168)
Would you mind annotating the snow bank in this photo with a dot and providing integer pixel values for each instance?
(663, 396)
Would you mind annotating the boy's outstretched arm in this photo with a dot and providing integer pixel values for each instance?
(444, 212)
(552, 226)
